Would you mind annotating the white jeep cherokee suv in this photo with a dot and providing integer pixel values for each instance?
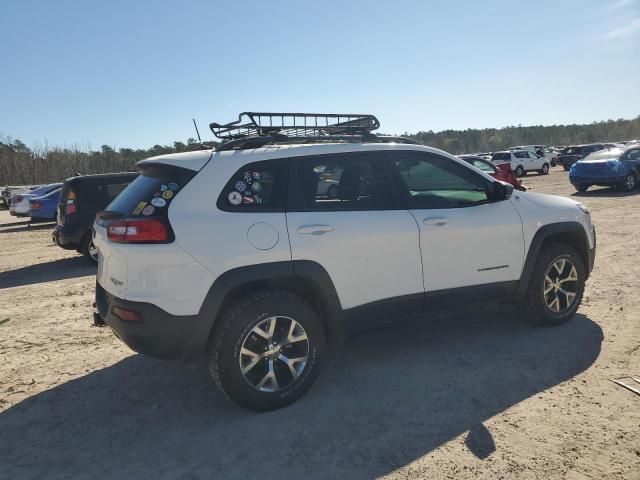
(522, 161)
(237, 256)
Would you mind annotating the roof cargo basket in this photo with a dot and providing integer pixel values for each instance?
(295, 125)
(255, 130)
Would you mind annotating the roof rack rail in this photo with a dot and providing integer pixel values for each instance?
(255, 130)
(295, 125)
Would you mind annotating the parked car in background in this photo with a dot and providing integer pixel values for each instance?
(45, 207)
(500, 171)
(81, 198)
(541, 151)
(522, 161)
(577, 152)
(616, 167)
(20, 201)
(8, 190)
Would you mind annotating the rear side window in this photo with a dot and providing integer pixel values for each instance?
(259, 186)
(151, 193)
(521, 154)
(353, 181)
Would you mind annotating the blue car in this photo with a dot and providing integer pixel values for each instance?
(44, 208)
(618, 168)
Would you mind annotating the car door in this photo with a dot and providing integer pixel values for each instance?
(536, 161)
(466, 239)
(362, 236)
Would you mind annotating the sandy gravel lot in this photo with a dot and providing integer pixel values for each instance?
(472, 394)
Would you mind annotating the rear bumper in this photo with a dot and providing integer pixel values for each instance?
(157, 334)
(68, 242)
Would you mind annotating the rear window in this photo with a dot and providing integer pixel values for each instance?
(505, 156)
(151, 193)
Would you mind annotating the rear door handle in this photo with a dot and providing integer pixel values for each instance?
(436, 221)
(315, 229)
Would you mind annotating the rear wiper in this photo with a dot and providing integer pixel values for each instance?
(108, 215)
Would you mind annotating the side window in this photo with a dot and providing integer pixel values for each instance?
(435, 182)
(259, 186)
(353, 181)
(484, 166)
(521, 154)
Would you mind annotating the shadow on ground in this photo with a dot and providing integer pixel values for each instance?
(605, 192)
(386, 398)
(47, 272)
(27, 227)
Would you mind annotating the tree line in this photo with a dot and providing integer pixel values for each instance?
(20, 164)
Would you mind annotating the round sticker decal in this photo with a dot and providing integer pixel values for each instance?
(241, 186)
(256, 175)
(235, 198)
(163, 187)
(247, 199)
(247, 177)
(148, 210)
(173, 186)
(158, 202)
(167, 194)
(256, 187)
(156, 194)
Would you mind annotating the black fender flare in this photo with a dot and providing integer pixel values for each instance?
(309, 272)
(571, 228)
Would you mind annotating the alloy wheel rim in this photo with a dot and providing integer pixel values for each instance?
(274, 354)
(630, 182)
(560, 285)
(93, 251)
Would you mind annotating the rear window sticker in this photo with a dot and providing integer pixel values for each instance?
(139, 207)
(256, 187)
(241, 186)
(256, 175)
(235, 198)
(173, 186)
(156, 194)
(148, 210)
(167, 194)
(257, 198)
(247, 199)
(247, 177)
(158, 202)
(163, 187)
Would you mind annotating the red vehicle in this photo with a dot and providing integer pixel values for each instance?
(500, 171)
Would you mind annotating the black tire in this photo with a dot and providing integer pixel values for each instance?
(236, 327)
(566, 168)
(536, 303)
(87, 249)
(582, 188)
(545, 169)
(520, 171)
(629, 183)
(553, 162)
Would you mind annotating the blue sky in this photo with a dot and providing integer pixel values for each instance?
(134, 73)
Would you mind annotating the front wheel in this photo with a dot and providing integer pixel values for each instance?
(629, 183)
(545, 169)
(266, 350)
(556, 285)
(582, 188)
(566, 168)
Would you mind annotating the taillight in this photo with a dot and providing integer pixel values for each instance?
(137, 231)
(35, 205)
(70, 208)
(18, 198)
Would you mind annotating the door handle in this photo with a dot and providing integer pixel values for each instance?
(315, 229)
(436, 221)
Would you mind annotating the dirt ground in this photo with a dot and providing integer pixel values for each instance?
(474, 393)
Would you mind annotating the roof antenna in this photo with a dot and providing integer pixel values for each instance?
(197, 132)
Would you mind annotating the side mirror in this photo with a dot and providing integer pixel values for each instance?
(500, 191)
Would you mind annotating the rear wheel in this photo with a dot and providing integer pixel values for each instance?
(556, 285)
(88, 249)
(266, 350)
(520, 171)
